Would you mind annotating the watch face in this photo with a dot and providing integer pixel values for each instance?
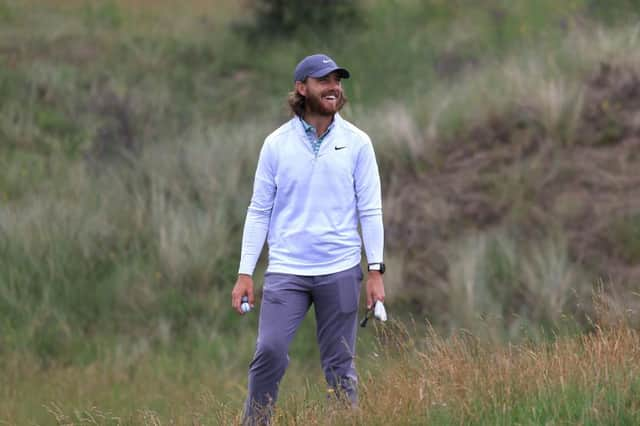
(377, 267)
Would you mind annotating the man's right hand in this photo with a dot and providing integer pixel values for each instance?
(243, 287)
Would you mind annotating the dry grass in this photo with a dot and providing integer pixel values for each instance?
(586, 379)
(463, 380)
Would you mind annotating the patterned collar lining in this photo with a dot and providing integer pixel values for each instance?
(311, 133)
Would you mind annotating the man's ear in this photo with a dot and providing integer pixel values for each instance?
(301, 88)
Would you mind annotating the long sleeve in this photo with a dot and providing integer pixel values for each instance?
(369, 202)
(256, 226)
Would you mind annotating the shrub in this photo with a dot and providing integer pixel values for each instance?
(288, 17)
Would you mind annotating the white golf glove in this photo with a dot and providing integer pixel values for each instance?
(379, 311)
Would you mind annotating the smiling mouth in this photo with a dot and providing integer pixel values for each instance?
(330, 98)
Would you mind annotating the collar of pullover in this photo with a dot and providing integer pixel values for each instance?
(311, 133)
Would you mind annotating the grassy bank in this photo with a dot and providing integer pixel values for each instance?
(507, 138)
(507, 141)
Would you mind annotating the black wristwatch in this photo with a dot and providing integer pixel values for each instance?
(377, 267)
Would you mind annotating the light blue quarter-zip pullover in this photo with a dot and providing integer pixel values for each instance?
(308, 205)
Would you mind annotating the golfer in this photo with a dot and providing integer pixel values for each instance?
(316, 180)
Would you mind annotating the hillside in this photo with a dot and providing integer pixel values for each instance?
(549, 208)
(507, 138)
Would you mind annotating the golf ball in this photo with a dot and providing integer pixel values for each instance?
(245, 307)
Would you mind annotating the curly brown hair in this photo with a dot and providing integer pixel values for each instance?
(296, 102)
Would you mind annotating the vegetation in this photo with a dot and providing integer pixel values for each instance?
(293, 18)
(507, 138)
(427, 379)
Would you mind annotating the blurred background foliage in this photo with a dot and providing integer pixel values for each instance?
(285, 18)
(129, 132)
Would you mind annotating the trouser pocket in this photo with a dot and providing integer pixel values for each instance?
(348, 286)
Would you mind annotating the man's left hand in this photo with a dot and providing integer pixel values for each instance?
(375, 288)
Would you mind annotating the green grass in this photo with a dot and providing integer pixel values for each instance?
(172, 378)
(627, 233)
(426, 380)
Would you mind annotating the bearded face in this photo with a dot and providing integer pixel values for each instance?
(325, 103)
(323, 96)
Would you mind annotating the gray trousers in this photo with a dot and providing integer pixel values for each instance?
(285, 301)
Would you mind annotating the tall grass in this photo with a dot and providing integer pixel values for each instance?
(426, 379)
(128, 247)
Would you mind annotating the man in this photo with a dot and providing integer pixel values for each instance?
(316, 179)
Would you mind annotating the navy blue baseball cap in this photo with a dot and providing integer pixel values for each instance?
(317, 66)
